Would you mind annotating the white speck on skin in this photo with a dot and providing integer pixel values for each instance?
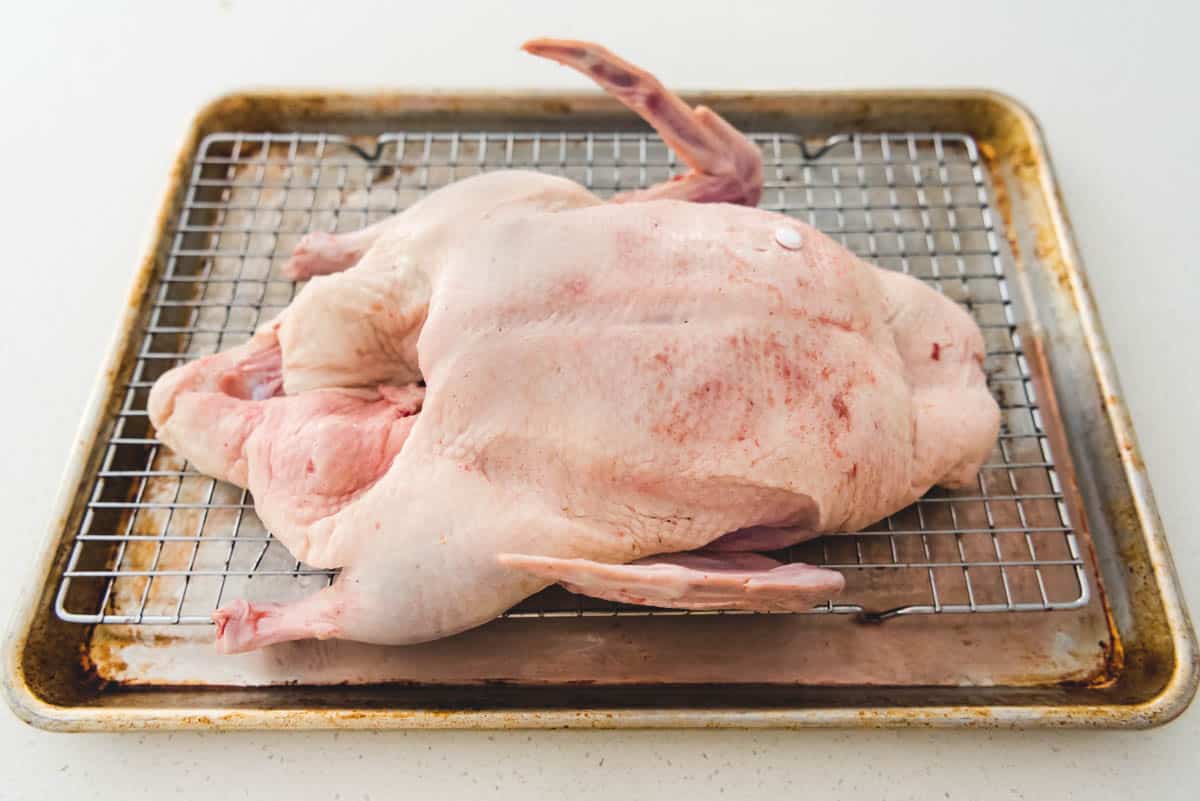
(788, 237)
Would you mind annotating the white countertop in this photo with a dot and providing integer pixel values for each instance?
(97, 98)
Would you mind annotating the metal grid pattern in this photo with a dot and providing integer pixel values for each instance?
(162, 543)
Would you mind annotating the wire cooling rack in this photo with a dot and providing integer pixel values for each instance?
(162, 543)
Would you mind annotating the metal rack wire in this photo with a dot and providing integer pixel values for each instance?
(162, 543)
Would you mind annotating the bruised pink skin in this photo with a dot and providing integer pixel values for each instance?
(610, 389)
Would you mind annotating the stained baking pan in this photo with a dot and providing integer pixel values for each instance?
(1043, 596)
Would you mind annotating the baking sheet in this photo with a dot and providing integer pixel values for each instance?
(49, 684)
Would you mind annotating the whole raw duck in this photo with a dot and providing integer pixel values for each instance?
(513, 383)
